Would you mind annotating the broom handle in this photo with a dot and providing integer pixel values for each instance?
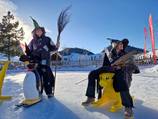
(58, 40)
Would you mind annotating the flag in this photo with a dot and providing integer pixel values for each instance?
(145, 34)
(152, 38)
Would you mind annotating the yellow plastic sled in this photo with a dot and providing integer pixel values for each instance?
(30, 102)
(2, 75)
(110, 98)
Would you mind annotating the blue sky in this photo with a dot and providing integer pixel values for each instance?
(92, 21)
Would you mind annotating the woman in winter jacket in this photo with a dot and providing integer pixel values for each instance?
(41, 46)
(94, 75)
(123, 78)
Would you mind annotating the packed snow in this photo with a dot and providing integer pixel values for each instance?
(153, 69)
(68, 97)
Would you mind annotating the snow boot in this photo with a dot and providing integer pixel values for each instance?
(50, 95)
(128, 114)
(88, 101)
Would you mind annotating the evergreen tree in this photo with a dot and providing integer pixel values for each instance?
(10, 36)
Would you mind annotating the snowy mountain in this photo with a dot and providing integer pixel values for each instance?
(69, 51)
(83, 57)
(74, 55)
(129, 49)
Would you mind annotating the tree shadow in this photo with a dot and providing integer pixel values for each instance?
(140, 112)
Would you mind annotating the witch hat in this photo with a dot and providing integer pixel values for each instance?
(113, 42)
(35, 23)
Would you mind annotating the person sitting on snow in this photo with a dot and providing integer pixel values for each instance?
(42, 46)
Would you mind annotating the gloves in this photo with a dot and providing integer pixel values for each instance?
(24, 58)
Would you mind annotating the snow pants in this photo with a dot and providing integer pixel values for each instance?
(126, 99)
(92, 77)
(121, 84)
(93, 81)
(48, 78)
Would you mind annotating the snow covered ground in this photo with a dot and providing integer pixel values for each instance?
(68, 98)
(3, 57)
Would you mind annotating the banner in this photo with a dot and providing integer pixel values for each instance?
(145, 34)
(152, 38)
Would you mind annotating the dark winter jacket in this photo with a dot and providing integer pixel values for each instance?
(41, 47)
(130, 68)
(114, 55)
(123, 76)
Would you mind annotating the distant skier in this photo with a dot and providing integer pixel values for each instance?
(42, 46)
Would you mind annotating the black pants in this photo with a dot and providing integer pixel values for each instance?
(120, 84)
(126, 99)
(48, 78)
(93, 78)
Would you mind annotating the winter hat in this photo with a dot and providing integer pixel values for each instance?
(117, 43)
(113, 42)
(125, 42)
(36, 25)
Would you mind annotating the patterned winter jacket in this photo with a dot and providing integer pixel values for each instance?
(129, 66)
(42, 47)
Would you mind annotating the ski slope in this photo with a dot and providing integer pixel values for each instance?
(68, 97)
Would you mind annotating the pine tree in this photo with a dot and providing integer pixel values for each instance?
(10, 36)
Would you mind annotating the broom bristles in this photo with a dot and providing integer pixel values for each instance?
(63, 20)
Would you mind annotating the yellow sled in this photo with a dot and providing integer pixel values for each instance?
(110, 98)
(2, 75)
(30, 102)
